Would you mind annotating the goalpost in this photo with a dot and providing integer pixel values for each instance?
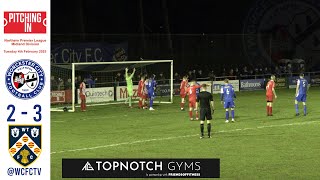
(105, 82)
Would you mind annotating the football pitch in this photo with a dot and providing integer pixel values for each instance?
(254, 147)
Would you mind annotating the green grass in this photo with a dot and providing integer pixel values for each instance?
(256, 146)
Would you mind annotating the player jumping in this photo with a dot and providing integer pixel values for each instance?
(151, 86)
(192, 93)
(129, 85)
(227, 95)
(183, 91)
(270, 91)
(301, 94)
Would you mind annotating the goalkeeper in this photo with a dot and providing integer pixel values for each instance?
(129, 86)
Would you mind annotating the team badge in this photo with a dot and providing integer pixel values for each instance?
(25, 79)
(280, 29)
(25, 143)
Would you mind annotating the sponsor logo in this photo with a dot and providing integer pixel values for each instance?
(25, 79)
(25, 143)
(315, 82)
(122, 92)
(217, 87)
(140, 168)
(57, 96)
(104, 93)
(281, 83)
(87, 167)
(25, 22)
(94, 95)
(282, 29)
(250, 84)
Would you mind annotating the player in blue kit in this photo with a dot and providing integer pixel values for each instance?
(198, 89)
(227, 97)
(151, 86)
(197, 93)
(301, 94)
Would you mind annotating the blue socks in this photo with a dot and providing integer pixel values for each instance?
(304, 109)
(227, 114)
(232, 114)
(151, 102)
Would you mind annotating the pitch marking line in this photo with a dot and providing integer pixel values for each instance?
(178, 137)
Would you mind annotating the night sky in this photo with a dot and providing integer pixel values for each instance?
(275, 29)
(122, 16)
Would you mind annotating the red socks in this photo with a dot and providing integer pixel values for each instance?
(197, 114)
(190, 114)
(140, 104)
(83, 106)
(269, 110)
(182, 105)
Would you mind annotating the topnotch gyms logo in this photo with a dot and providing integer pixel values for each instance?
(25, 22)
(282, 29)
(25, 79)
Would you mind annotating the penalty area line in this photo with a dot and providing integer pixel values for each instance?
(178, 137)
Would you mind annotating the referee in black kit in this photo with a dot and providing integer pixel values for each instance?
(206, 106)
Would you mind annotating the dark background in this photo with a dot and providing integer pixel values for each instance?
(122, 16)
(197, 34)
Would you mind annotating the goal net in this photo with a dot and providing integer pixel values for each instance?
(105, 82)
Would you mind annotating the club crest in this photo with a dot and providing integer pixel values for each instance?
(25, 79)
(25, 143)
(15, 132)
(18, 80)
(282, 29)
(31, 79)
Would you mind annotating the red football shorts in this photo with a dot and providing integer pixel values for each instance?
(269, 98)
(192, 104)
(142, 96)
(82, 97)
(183, 95)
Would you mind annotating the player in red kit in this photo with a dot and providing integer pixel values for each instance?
(270, 91)
(83, 95)
(192, 93)
(183, 91)
(142, 92)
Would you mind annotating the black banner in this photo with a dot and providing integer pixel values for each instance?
(140, 168)
(315, 82)
(281, 83)
(165, 90)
